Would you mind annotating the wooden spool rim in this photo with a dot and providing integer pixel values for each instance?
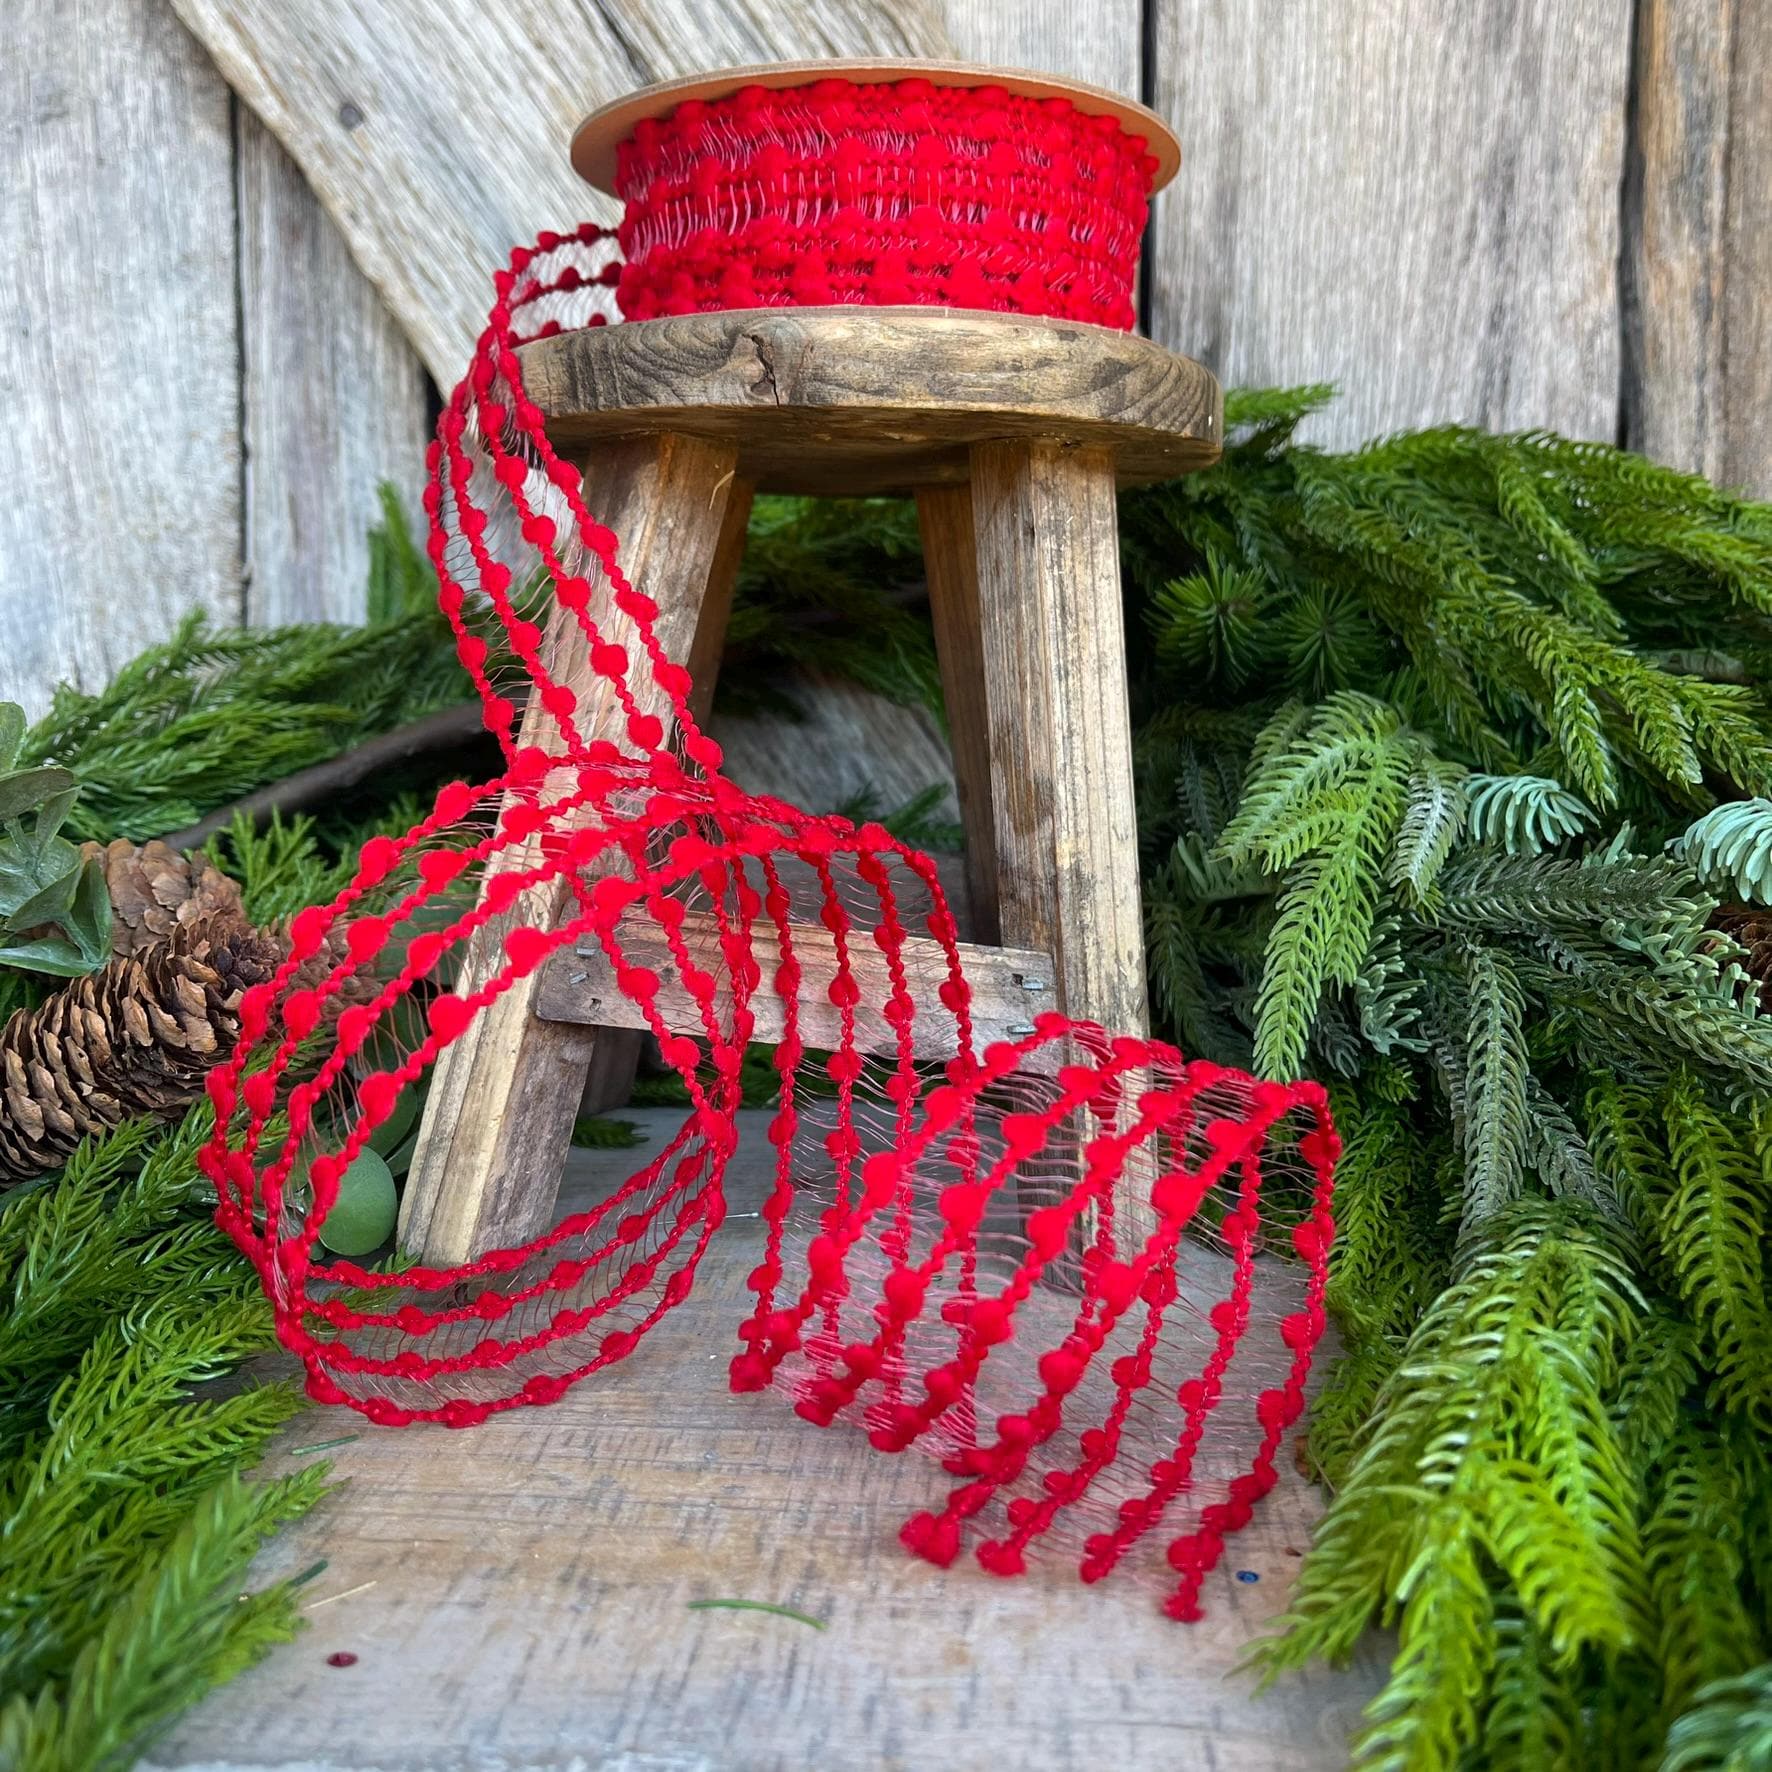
(595, 140)
(853, 400)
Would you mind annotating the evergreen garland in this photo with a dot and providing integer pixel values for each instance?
(127, 1527)
(1490, 781)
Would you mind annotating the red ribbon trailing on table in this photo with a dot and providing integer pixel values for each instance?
(905, 1284)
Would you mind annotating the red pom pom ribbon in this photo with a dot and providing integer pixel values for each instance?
(917, 1219)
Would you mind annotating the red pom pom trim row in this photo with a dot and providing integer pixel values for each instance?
(912, 193)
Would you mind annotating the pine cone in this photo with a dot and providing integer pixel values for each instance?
(1750, 928)
(155, 890)
(136, 1037)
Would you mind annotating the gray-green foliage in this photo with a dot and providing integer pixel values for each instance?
(1730, 848)
(55, 915)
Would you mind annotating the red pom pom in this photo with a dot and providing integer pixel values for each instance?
(527, 947)
(377, 1093)
(365, 937)
(438, 867)
(307, 930)
(379, 858)
(301, 1013)
(455, 800)
(935, 1538)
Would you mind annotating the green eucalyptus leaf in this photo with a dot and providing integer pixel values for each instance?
(89, 920)
(56, 955)
(23, 790)
(400, 1160)
(401, 1027)
(33, 891)
(363, 1214)
(391, 1133)
(53, 814)
(12, 732)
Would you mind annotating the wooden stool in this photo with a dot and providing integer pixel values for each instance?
(1014, 434)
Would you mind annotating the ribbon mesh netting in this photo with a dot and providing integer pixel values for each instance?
(1082, 1272)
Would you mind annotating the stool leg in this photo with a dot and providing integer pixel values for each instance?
(950, 559)
(1054, 672)
(498, 1122)
(610, 1080)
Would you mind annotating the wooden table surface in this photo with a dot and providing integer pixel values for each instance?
(518, 1596)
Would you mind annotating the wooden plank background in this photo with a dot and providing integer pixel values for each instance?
(1511, 212)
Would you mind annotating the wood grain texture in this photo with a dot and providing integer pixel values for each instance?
(1009, 988)
(950, 558)
(519, 1595)
(1052, 36)
(333, 398)
(850, 401)
(709, 644)
(1698, 207)
(119, 359)
(1420, 204)
(498, 1120)
(1060, 731)
(615, 1059)
(847, 743)
(1060, 734)
(435, 131)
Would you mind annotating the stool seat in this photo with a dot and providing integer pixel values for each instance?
(845, 401)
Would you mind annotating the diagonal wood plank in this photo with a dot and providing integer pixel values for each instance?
(435, 131)
(1419, 203)
(498, 1119)
(1698, 210)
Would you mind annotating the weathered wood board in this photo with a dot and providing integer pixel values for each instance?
(1009, 988)
(1418, 203)
(1698, 211)
(1104, 47)
(333, 398)
(205, 389)
(1053, 643)
(845, 401)
(119, 358)
(435, 131)
(1424, 208)
(518, 1595)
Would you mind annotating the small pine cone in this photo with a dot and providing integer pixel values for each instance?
(138, 1036)
(154, 890)
(1750, 928)
(359, 985)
